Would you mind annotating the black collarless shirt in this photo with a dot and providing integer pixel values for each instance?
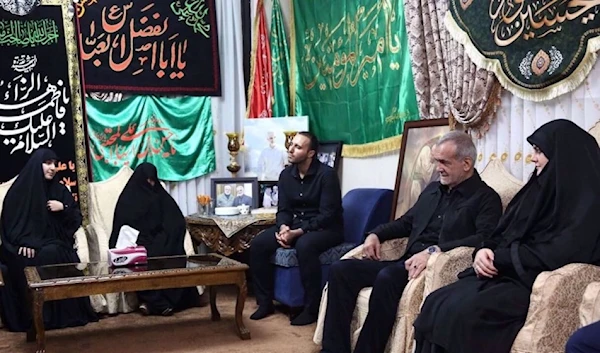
(463, 217)
(311, 203)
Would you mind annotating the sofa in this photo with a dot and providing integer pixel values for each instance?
(81, 244)
(364, 209)
(442, 270)
(103, 197)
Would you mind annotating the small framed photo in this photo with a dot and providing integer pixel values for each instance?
(330, 153)
(232, 192)
(268, 194)
(416, 169)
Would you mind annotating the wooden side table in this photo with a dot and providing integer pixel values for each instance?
(205, 229)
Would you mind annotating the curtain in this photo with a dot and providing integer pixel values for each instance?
(518, 118)
(228, 110)
(448, 84)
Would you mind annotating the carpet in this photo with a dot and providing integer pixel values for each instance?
(184, 332)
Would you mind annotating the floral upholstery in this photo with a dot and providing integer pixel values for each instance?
(498, 178)
(553, 311)
(103, 201)
(589, 310)
(442, 269)
(287, 257)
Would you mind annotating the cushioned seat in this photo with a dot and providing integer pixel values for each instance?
(287, 257)
(103, 201)
(364, 209)
(442, 269)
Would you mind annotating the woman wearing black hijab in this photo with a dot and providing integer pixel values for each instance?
(551, 222)
(38, 223)
(147, 207)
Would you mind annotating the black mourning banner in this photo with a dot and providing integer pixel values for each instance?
(35, 94)
(150, 47)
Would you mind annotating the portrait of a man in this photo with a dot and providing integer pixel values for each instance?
(272, 159)
(241, 198)
(225, 199)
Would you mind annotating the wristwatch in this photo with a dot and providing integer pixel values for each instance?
(432, 249)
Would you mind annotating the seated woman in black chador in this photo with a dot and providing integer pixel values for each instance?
(551, 222)
(39, 221)
(148, 208)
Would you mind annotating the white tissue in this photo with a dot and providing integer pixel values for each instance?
(127, 237)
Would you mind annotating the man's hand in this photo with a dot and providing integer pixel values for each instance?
(286, 238)
(55, 206)
(27, 252)
(372, 248)
(283, 228)
(484, 264)
(416, 264)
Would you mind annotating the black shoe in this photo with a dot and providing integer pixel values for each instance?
(262, 312)
(167, 312)
(305, 318)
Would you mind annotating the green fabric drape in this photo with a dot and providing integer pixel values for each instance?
(174, 134)
(280, 63)
(353, 74)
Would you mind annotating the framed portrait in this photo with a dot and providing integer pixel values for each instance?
(265, 154)
(330, 153)
(415, 167)
(268, 194)
(232, 192)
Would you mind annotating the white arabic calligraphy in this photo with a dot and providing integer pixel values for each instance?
(29, 121)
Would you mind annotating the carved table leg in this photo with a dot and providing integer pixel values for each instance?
(214, 312)
(243, 332)
(38, 319)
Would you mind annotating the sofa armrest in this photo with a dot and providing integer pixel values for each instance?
(589, 310)
(553, 309)
(390, 250)
(81, 245)
(443, 268)
(98, 240)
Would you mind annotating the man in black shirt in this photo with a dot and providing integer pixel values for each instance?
(309, 219)
(458, 210)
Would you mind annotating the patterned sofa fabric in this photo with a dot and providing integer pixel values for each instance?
(589, 310)
(553, 311)
(287, 257)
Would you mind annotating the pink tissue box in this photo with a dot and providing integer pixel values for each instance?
(135, 255)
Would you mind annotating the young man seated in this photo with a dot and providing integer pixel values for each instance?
(458, 210)
(309, 219)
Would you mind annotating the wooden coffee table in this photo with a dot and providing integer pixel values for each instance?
(64, 281)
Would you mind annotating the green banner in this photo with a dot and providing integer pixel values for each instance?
(174, 134)
(537, 49)
(353, 72)
(280, 64)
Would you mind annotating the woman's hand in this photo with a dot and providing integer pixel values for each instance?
(27, 252)
(55, 206)
(484, 263)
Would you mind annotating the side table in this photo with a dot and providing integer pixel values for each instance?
(227, 234)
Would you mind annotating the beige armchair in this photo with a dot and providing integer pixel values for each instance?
(81, 244)
(442, 269)
(557, 297)
(103, 199)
